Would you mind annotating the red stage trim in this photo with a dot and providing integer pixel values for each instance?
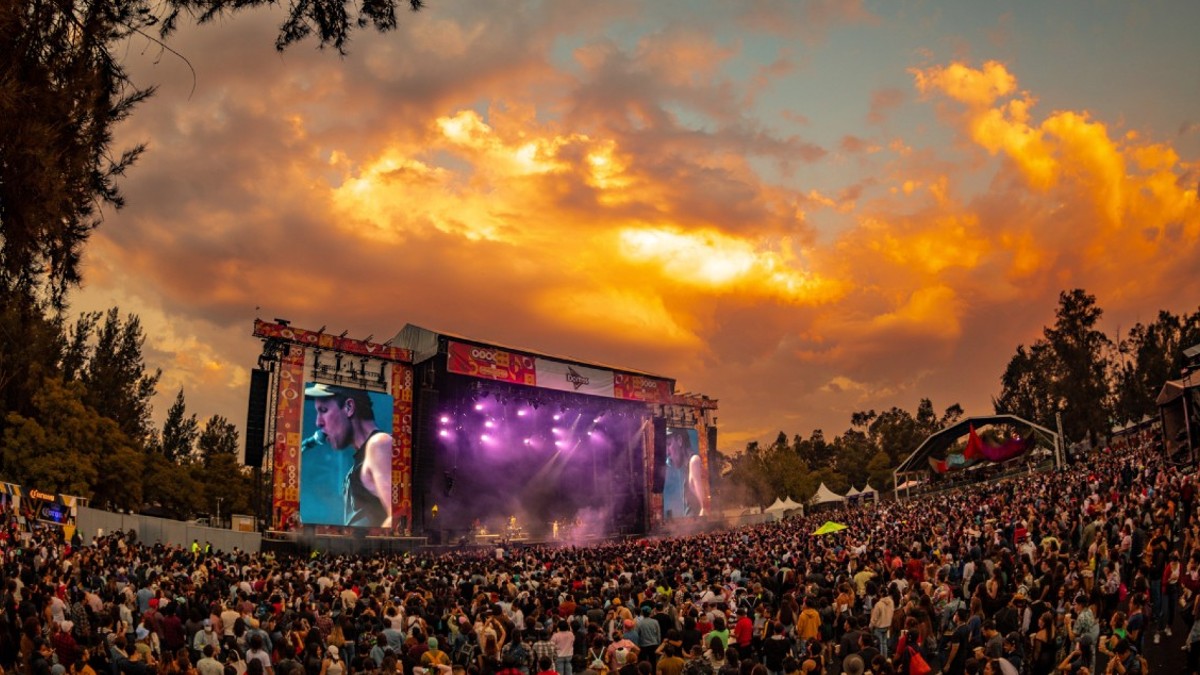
(289, 407)
(308, 338)
(402, 426)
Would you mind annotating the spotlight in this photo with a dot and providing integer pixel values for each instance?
(589, 433)
(558, 444)
(478, 406)
(485, 438)
(522, 412)
(445, 419)
(444, 433)
(596, 420)
(555, 430)
(489, 424)
(528, 441)
(557, 417)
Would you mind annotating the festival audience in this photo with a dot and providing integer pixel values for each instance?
(1067, 571)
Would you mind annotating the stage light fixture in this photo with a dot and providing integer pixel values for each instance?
(522, 412)
(445, 419)
(478, 407)
(485, 438)
(528, 441)
(444, 433)
(557, 417)
(489, 424)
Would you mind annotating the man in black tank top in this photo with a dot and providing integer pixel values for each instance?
(348, 420)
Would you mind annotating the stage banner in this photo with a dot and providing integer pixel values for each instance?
(288, 416)
(574, 378)
(641, 388)
(322, 340)
(491, 364)
(402, 429)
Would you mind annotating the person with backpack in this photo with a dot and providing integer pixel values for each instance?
(515, 655)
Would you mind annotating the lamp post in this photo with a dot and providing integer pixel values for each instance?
(219, 511)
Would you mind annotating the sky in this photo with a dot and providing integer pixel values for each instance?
(801, 209)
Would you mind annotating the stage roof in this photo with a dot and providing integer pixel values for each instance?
(939, 442)
(423, 342)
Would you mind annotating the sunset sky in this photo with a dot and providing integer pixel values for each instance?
(801, 209)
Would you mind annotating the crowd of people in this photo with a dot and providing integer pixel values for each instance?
(1080, 570)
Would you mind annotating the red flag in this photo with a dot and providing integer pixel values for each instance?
(974, 449)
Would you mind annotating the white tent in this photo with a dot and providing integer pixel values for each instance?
(852, 493)
(869, 492)
(792, 505)
(826, 496)
(778, 507)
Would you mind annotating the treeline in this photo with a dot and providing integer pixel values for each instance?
(76, 418)
(1094, 381)
(866, 452)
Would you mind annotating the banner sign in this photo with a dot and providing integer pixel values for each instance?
(490, 363)
(574, 378)
(641, 388)
(335, 343)
(51, 512)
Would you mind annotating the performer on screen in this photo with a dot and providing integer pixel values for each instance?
(348, 419)
(684, 492)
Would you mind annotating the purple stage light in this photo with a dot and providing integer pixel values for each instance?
(445, 419)
(478, 406)
(522, 412)
(558, 444)
(485, 438)
(589, 433)
(528, 441)
(444, 433)
(557, 417)
(556, 430)
(489, 424)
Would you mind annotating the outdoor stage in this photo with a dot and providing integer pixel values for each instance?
(473, 443)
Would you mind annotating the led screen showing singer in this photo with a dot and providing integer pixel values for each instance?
(346, 457)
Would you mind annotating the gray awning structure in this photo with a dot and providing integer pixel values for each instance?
(916, 465)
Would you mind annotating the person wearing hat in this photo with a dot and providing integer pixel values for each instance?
(333, 664)
(347, 418)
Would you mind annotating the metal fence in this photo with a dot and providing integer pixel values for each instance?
(150, 531)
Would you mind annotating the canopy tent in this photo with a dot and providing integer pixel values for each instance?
(777, 507)
(936, 445)
(792, 505)
(826, 496)
(852, 493)
(867, 493)
(1179, 409)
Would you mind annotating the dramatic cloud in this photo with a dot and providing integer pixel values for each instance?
(663, 191)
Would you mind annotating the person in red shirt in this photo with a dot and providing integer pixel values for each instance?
(915, 569)
(743, 631)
